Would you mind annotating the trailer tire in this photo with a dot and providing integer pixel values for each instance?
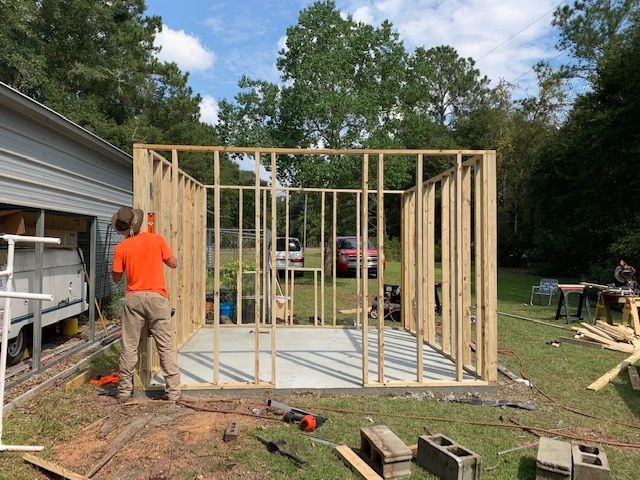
(15, 350)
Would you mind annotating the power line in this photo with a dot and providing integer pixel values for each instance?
(520, 31)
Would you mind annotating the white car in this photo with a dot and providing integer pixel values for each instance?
(296, 253)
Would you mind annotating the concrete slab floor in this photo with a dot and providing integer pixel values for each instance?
(307, 358)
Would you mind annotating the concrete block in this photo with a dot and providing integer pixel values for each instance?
(589, 462)
(385, 452)
(160, 469)
(447, 459)
(554, 460)
(231, 432)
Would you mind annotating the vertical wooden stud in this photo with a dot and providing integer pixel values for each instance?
(466, 264)
(274, 268)
(446, 274)
(478, 263)
(257, 285)
(430, 271)
(381, 260)
(239, 280)
(490, 325)
(419, 269)
(216, 267)
(264, 257)
(358, 262)
(288, 315)
(333, 251)
(459, 261)
(322, 254)
(365, 268)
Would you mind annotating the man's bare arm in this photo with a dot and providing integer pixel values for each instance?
(172, 262)
(116, 276)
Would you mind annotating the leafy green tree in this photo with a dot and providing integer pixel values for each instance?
(443, 84)
(591, 30)
(586, 180)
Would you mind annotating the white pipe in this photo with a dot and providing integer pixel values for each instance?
(19, 448)
(6, 321)
(26, 239)
(27, 296)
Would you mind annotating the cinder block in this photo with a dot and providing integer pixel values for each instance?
(385, 452)
(554, 460)
(447, 459)
(589, 462)
(231, 432)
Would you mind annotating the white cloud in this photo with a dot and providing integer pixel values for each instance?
(282, 43)
(363, 14)
(184, 49)
(472, 27)
(209, 110)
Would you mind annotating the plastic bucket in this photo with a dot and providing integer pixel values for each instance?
(227, 310)
(70, 327)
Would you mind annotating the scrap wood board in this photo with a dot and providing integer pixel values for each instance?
(614, 372)
(356, 464)
(52, 467)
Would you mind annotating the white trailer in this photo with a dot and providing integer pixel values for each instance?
(62, 276)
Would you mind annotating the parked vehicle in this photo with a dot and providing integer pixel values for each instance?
(62, 276)
(296, 253)
(347, 257)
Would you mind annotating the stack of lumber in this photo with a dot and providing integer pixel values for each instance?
(612, 337)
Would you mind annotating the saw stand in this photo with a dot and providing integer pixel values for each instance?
(630, 309)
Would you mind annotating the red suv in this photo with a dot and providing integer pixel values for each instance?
(346, 256)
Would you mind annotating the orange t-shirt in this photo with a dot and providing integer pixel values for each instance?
(142, 258)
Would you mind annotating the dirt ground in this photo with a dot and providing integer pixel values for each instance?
(192, 439)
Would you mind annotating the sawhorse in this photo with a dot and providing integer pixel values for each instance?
(565, 291)
(631, 306)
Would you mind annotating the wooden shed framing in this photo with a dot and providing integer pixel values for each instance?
(466, 223)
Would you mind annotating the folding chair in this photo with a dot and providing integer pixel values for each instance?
(548, 287)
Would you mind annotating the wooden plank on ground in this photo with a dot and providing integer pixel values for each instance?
(614, 372)
(355, 463)
(77, 381)
(634, 377)
(52, 467)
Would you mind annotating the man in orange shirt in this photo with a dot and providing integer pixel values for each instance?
(142, 256)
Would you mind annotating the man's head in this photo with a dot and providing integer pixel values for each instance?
(127, 220)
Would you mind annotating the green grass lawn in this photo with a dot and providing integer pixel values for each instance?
(562, 372)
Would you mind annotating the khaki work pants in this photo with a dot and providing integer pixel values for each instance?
(140, 307)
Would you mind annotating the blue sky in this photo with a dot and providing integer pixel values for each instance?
(218, 41)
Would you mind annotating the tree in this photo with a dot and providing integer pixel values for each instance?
(443, 84)
(341, 88)
(586, 180)
(591, 30)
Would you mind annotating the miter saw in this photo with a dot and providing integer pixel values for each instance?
(626, 275)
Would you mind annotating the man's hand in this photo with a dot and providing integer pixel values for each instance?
(116, 276)
(172, 262)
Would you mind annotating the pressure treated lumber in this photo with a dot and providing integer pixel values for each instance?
(52, 467)
(355, 463)
(614, 372)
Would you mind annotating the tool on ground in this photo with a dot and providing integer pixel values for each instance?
(522, 447)
(276, 447)
(294, 415)
(321, 440)
(308, 423)
(105, 379)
